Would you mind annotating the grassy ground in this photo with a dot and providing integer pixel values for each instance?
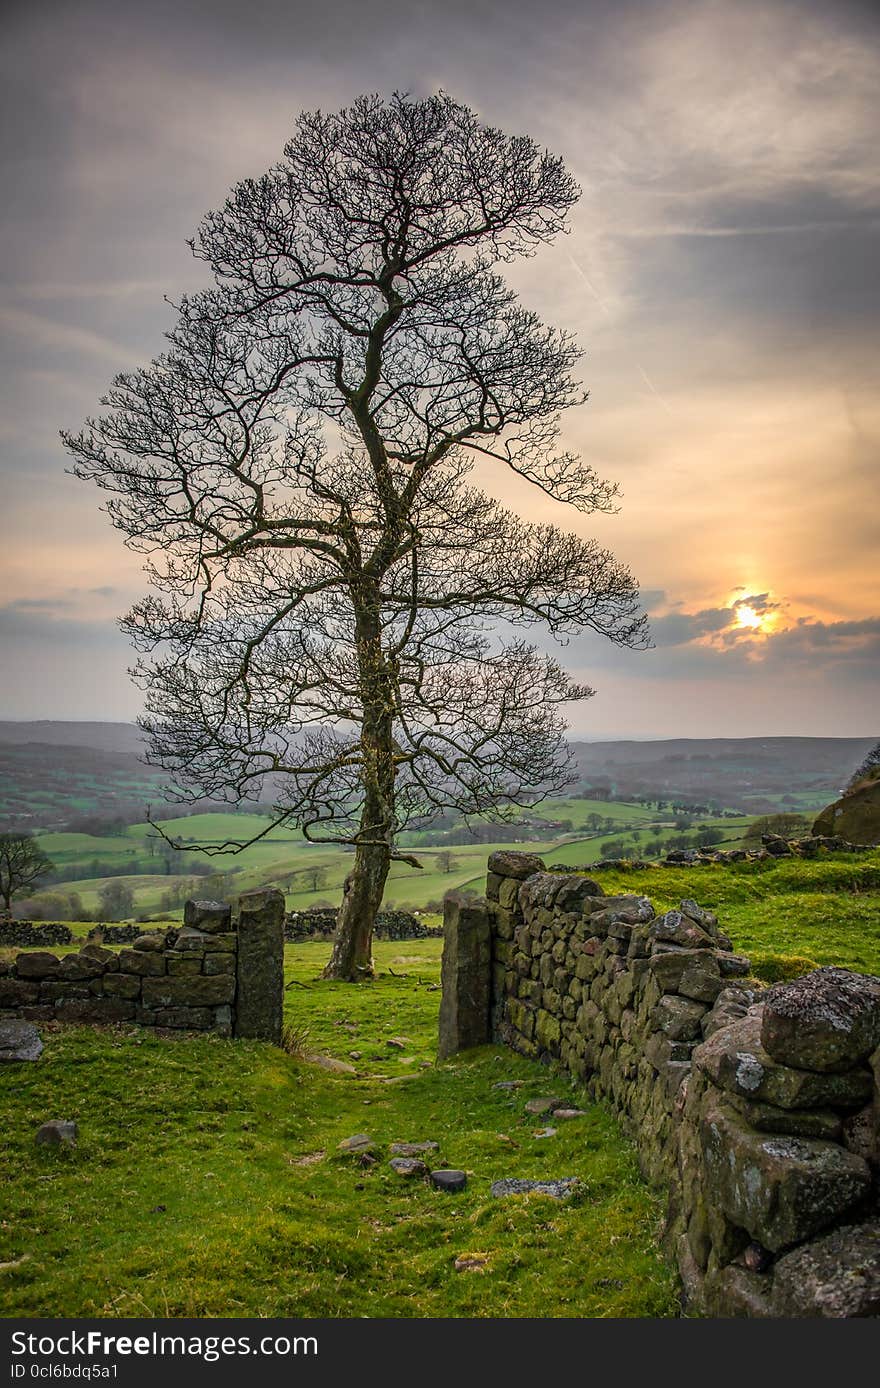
(207, 1183)
(207, 1179)
(788, 916)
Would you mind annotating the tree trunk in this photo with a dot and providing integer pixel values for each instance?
(352, 957)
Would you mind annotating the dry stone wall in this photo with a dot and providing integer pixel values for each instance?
(215, 974)
(757, 1109)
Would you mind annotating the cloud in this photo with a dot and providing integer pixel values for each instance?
(679, 628)
(720, 273)
(50, 335)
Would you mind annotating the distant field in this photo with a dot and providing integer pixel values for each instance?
(312, 873)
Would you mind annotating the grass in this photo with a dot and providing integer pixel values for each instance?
(788, 915)
(206, 1181)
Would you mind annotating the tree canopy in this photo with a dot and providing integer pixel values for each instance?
(339, 601)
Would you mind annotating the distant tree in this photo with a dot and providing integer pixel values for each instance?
(786, 825)
(22, 864)
(116, 900)
(707, 837)
(332, 589)
(445, 861)
(315, 878)
(614, 848)
(866, 768)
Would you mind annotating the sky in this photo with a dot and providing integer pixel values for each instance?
(721, 275)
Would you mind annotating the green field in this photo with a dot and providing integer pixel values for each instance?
(285, 859)
(206, 1181)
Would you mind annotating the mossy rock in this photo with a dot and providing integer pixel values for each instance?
(856, 815)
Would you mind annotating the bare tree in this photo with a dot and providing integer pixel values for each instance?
(22, 864)
(445, 861)
(315, 878)
(336, 605)
(866, 768)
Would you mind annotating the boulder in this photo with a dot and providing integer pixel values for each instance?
(19, 1040)
(449, 1181)
(358, 1145)
(829, 1020)
(408, 1166)
(149, 943)
(57, 1133)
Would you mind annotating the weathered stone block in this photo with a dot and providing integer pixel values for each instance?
(493, 883)
(735, 1293)
(218, 964)
(507, 863)
(735, 1059)
(781, 1190)
(198, 991)
(51, 989)
(465, 976)
(660, 1049)
(185, 1018)
(94, 1010)
(80, 966)
(678, 929)
(701, 978)
(504, 951)
(678, 1017)
(14, 992)
(188, 965)
(732, 965)
(19, 1040)
(794, 1122)
(833, 1277)
(37, 964)
(223, 1021)
(547, 1030)
(105, 956)
(504, 923)
(212, 917)
(122, 986)
(578, 894)
(829, 1020)
(133, 961)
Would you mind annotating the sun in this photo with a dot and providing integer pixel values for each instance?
(747, 617)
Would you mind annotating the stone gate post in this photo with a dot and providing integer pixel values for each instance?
(465, 975)
(260, 984)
